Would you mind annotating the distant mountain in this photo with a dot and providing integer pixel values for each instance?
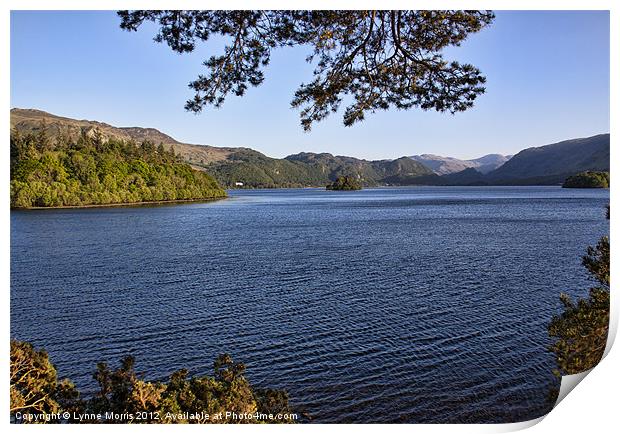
(367, 172)
(551, 164)
(544, 165)
(447, 165)
(232, 167)
(489, 162)
(253, 169)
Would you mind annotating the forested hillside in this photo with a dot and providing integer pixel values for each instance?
(551, 164)
(49, 172)
(37, 121)
(369, 172)
(254, 169)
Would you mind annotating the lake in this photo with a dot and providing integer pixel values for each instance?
(419, 304)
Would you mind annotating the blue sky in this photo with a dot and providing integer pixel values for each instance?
(547, 71)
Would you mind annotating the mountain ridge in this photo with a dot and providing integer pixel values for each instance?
(446, 165)
(187, 150)
(33, 120)
(556, 161)
(246, 167)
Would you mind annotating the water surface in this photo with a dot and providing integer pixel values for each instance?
(425, 304)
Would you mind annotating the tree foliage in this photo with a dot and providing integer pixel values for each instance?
(597, 261)
(587, 179)
(93, 171)
(377, 59)
(34, 387)
(344, 183)
(580, 331)
(122, 391)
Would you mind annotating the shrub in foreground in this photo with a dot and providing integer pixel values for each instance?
(123, 396)
(581, 329)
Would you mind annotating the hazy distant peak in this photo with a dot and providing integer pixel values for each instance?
(491, 158)
(447, 165)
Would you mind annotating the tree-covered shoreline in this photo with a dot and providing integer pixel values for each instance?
(151, 203)
(588, 179)
(93, 171)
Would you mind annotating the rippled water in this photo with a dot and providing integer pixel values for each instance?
(384, 305)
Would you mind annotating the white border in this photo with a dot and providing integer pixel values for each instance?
(592, 408)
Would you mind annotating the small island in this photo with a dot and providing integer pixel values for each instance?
(344, 183)
(587, 180)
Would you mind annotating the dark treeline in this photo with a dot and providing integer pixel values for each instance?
(92, 170)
